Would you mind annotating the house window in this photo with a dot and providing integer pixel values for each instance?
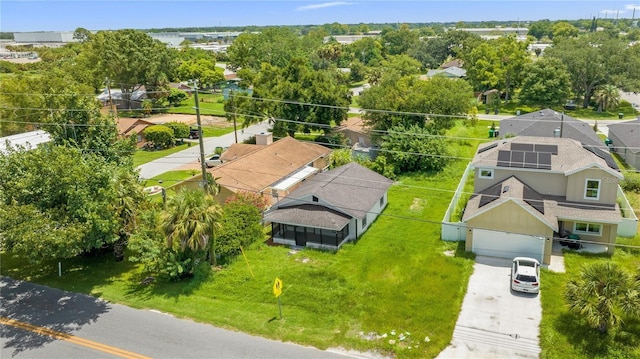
(314, 198)
(486, 173)
(364, 221)
(588, 228)
(592, 189)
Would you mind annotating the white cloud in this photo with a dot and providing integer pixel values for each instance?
(323, 5)
(632, 6)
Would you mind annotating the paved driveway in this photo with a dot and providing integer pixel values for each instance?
(494, 321)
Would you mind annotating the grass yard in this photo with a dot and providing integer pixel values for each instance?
(141, 156)
(563, 334)
(399, 277)
(210, 104)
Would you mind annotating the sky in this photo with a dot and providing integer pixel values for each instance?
(53, 15)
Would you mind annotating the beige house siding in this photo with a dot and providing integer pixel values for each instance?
(510, 217)
(576, 185)
(545, 183)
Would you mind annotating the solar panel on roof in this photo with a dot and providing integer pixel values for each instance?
(522, 146)
(530, 160)
(544, 159)
(504, 158)
(490, 195)
(517, 159)
(553, 149)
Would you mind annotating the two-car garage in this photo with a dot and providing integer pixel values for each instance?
(507, 245)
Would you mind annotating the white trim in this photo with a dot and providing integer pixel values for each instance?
(490, 176)
(586, 182)
(599, 233)
(598, 166)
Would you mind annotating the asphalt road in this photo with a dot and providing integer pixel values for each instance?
(179, 159)
(78, 326)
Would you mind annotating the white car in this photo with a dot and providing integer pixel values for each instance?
(525, 275)
(213, 161)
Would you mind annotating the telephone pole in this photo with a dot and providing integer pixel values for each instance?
(203, 165)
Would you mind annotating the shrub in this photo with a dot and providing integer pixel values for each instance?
(631, 183)
(159, 135)
(180, 130)
(176, 97)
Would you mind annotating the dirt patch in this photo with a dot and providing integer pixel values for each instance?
(417, 205)
(214, 121)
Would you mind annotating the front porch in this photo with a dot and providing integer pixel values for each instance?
(556, 263)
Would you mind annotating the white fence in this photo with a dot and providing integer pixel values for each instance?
(455, 231)
(629, 225)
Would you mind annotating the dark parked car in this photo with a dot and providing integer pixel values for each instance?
(570, 105)
(194, 133)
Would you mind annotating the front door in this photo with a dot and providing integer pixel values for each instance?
(301, 236)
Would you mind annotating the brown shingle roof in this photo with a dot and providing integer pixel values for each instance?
(127, 125)
(267, 165)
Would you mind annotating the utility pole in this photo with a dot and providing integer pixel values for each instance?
(233, 103)
(110, 98)
(561, 124)
(200, 140)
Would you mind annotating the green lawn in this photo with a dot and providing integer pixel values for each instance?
(397, 277)
(563, 334)
(143, 156)
(210, 104)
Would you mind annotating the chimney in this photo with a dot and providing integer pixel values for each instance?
(264, 139)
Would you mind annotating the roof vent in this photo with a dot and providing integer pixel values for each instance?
(505, 189)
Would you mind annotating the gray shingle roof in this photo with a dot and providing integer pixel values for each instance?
(351, 189)
(628, 132)
(543, 123)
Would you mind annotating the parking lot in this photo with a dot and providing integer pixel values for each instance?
(495, 322)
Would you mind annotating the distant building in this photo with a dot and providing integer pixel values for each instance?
(41, 37)
(27, 140)
(497, 32)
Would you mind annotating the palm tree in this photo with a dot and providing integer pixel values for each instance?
(129, 195)
(191, 221)
(603, 294)
(607, 97)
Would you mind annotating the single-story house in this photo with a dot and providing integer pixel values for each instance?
(330, 208)
(133, 126)
(26, 140)
(116, 96)
(625, 141)
(272, 169)
(527, 190)
(450, 72)
(358, 136)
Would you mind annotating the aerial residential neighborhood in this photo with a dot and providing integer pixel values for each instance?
(331, 180)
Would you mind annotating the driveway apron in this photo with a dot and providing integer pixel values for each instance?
(494, 321)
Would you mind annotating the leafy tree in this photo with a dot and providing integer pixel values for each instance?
(603, 294)
(159, 135)
(81, 34)
(358, 71)
(398, 42)
(57, 203)
(414, 149)
(129, 58)
(410, 101)
(540, 29)
(607, 97)
(368, 50)
(562, 29)
(484, 71)
(546, 83)
(240, 224)
(176, 96)
(431, 52)
(275, 46)
(180, 129)
(128, 197)
(191, 223)
(402, 64)
(587, 60)
(204, 71)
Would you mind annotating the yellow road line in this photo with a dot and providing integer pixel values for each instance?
(73, 339)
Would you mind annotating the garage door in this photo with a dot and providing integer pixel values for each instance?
(507, 245)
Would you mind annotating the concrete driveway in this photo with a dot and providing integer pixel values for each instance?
(494, 321)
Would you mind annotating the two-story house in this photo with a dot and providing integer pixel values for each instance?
(526, 189)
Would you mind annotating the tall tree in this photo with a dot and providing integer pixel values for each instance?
(587, 60)
(607, 97)
(546, 83)
(398, 42)
(191, 223)
(60, 192)
(129, 59)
